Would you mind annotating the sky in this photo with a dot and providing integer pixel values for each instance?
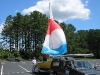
(82, 14)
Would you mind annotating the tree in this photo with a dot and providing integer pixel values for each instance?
(94, 42)
(26, 30)
(16, 29)
(82, 46)
(7, 30)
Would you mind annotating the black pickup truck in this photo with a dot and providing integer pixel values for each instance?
(69, 66)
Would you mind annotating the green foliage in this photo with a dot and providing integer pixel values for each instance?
(94, 42)
(4, 54)
(27, 33)
(16, 54)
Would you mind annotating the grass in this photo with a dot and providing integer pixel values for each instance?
(2, 60)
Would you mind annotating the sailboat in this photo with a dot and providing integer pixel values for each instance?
(55, 42)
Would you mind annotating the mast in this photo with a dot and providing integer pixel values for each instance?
(50, 11)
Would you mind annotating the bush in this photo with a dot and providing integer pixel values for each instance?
(16, 54)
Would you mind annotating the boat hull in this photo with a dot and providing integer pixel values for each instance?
(44, 65)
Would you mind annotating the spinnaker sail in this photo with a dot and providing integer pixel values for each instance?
(55, 40)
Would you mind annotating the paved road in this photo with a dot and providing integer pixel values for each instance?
(24, 67)
(17, 68)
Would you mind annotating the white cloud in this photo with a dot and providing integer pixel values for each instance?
(41, 6)
(62, 9)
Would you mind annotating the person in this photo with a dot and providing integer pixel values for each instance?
(44, 57)
(33, 64)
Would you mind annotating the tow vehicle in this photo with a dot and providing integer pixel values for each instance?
(66, 65)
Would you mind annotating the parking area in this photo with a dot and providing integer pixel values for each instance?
(25, 67)
(95, 63)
